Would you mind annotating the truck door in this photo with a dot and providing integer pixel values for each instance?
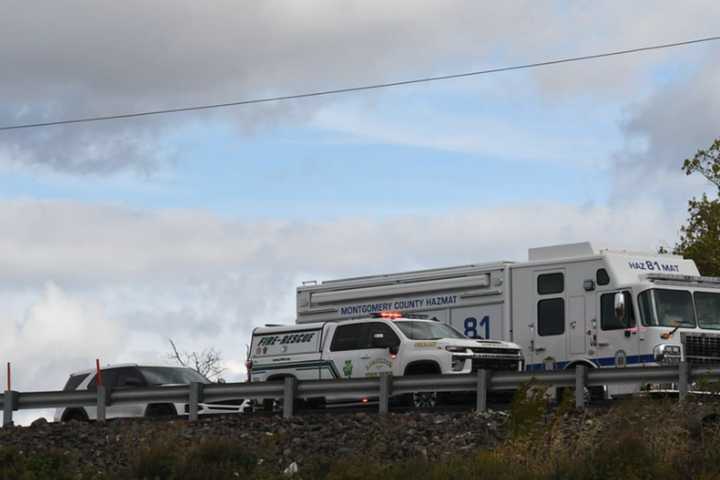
(617, 340)
(577, 326)
(352, 354)
(549, 344)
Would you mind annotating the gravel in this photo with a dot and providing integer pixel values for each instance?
(117, 443)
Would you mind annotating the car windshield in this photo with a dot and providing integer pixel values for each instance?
(171, 375)
(673, 308)
(427, 330)
(707, 306)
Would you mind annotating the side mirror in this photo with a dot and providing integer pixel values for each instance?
(394, 349)
(620, 312)
(220, 380)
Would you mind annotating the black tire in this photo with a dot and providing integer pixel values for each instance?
(424, 399)
(269, 405)
(418, 400)
(160, 410)
(75, 414)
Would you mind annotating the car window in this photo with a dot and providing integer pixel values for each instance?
(129, 377)
(109, 378)
(171, 375)
(74, 381)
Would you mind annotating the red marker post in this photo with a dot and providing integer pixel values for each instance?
(98, 375)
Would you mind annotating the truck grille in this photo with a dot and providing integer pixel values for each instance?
(494, 364)
(495, 350)
(701, 348)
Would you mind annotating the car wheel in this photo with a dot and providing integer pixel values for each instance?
(161, 410)
(76, 415)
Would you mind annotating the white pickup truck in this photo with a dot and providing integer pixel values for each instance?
(366, 347)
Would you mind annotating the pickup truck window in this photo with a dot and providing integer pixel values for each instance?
(427, 330)
(350, 337)
(391, 337)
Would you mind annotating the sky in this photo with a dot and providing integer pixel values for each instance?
(198, 226)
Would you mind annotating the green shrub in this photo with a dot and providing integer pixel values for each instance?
(528, 409)
(51, 465)
(208, 460)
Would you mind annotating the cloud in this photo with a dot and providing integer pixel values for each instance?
(662, 131)
(74, 59)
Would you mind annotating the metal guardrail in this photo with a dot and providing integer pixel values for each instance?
(383, 387)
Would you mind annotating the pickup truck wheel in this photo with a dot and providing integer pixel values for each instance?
(424, 399)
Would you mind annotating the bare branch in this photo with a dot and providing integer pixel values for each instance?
(175, 355)
(207, 362)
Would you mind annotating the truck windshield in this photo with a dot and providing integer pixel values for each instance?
(707, 306)
(667, 308)
(427, 330)
(171, 375)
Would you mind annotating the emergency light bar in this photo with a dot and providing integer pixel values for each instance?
(393, 314)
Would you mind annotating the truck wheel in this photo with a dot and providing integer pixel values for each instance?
(424, 399)
(78, 415)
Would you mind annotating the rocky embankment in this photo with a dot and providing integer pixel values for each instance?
(115, 445)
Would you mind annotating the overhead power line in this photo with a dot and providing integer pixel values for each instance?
(357, 88)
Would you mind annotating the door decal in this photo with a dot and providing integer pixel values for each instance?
(348, 368)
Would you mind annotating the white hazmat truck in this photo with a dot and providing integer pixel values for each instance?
(567, 304)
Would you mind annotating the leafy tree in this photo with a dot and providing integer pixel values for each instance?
(700, 239)
(706, 163)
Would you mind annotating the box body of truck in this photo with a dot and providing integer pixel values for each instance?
(559, 306)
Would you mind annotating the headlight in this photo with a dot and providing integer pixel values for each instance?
(456, 349)
(665, 353)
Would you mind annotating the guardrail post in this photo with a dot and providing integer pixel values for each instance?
(482, 389)
(289, 396)
(102, 398)
(196, 391)
(580, 376)
(683, 374)
(9, 406)
(385, 380)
